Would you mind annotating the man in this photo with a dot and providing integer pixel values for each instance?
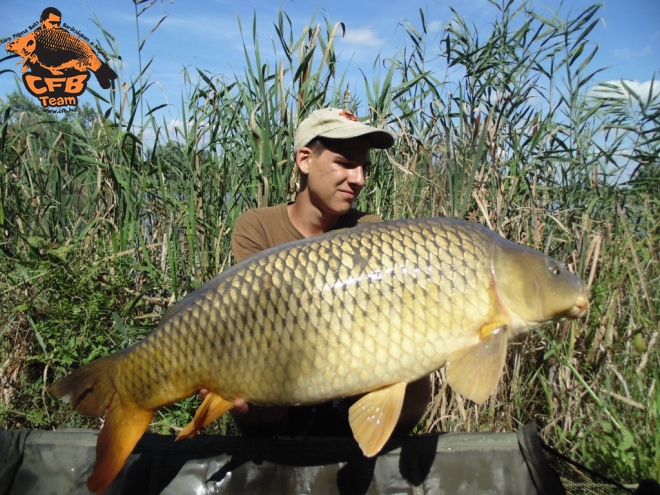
(50, 18)
(331, 151)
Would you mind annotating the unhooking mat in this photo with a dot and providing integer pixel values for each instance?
(59, 462)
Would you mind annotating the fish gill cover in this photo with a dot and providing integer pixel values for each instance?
(56, 63)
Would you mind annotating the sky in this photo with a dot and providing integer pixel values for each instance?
(205, 35)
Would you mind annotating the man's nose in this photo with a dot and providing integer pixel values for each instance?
(356, 176)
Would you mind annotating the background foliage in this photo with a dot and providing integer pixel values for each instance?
(107, 216)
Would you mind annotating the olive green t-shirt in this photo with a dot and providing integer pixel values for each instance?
(262, 228)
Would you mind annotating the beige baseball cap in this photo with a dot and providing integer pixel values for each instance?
(335, 123)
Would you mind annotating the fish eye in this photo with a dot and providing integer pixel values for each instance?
(554, 269)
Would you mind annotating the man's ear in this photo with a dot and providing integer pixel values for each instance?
(303, 156)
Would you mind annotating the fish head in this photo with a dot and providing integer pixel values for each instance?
(533, 288)
(23, 46)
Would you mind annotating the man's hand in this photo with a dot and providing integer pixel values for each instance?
(239, 404)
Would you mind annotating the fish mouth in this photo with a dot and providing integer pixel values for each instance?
(580, 307)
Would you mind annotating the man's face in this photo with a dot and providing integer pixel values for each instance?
(53, 21)
(336, 176)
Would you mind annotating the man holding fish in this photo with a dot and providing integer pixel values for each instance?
(367, 311)
(332, 154)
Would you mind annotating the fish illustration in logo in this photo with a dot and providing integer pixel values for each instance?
(348, 115)
(56, 50)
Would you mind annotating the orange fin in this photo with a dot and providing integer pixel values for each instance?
(211, 409)
(89, 388)
(475, 371)
(121, 430)
(374, 417)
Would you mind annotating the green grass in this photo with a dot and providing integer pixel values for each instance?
(103, 229)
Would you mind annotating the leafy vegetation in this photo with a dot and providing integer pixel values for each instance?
(108, 216)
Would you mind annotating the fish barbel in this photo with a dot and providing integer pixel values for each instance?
(358, 311)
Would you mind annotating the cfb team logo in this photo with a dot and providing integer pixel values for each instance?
(58, 62)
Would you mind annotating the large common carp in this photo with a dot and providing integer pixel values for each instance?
(363, 310)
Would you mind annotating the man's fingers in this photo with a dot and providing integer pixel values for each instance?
(240, 405)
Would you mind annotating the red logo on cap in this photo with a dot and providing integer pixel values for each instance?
(348, 115)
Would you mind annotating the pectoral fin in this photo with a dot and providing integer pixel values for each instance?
(475, 371)
(211, 409)
(374, 417)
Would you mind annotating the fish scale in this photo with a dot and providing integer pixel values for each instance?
(61, 46)
(363, 310)
(270, 340)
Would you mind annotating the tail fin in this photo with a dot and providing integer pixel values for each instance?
(91, 392)
(121, 431)
(89, 389)
(104, 75)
